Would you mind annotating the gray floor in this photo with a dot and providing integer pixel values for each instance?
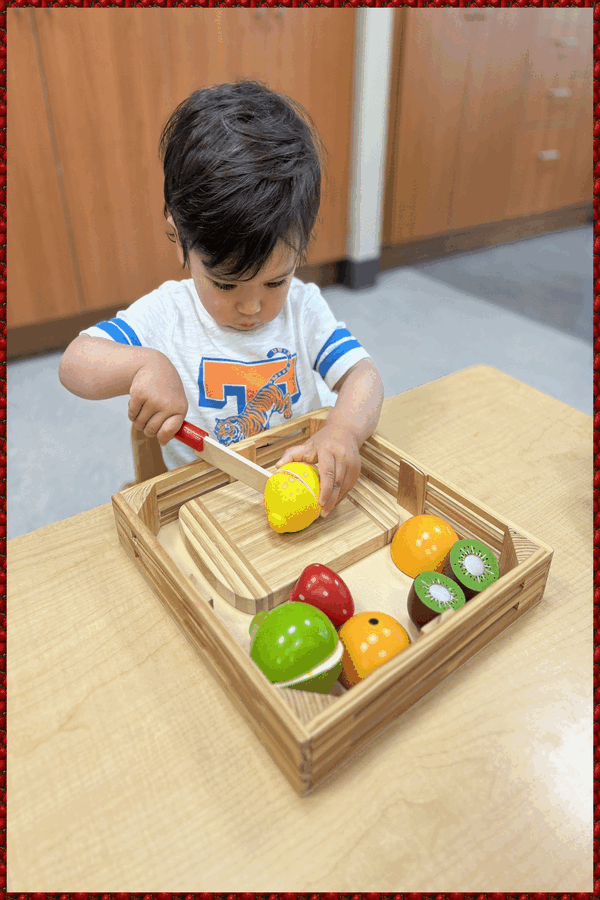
(525, 308)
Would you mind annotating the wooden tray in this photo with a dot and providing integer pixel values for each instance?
(307, 734)
(229, 538)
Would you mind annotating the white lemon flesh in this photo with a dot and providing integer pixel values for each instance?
(325, 666)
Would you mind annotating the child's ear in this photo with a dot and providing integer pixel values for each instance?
(177, 241)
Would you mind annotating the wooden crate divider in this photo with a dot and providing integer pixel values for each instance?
(508, 557)
(412, 488)
(370, 471)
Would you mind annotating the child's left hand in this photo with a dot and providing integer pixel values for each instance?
(335, 449)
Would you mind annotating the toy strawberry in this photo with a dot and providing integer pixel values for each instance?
(323, 588)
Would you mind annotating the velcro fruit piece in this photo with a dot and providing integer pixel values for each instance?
(322, 587)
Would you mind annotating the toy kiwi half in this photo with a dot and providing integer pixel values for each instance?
(472, 565)
(431, 594)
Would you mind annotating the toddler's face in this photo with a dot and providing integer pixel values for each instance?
(245, 305)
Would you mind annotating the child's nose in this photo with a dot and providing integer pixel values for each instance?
(249, 305)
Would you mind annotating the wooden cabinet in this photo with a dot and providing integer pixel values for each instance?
(491, 118)
(90, 91)
(42, 279)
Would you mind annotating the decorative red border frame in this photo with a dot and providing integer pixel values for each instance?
(295, 4)
(329, 895)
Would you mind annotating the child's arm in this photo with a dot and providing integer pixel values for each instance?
(335, 447)
(95, 368)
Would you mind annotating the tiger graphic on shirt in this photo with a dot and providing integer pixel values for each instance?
(257, 413)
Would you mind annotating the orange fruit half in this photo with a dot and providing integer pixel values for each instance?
(370, 639)
(421, 544)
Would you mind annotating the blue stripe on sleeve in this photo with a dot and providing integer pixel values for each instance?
(336, 354)
(128, 331)
(337, 335)
(120, 332)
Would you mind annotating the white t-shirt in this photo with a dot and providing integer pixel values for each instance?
(240, 383)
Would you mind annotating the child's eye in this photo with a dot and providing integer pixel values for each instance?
(223, 286)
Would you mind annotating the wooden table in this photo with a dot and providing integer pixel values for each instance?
(130, 770)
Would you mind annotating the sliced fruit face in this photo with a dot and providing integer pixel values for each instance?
(438, 592)
(421, 544)
(472, 565)
(321, 683)
(322, 678)
(431, 594)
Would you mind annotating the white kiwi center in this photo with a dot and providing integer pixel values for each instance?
(474, 565)
(440, 594)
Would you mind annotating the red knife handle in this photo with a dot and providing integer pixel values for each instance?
(192, 436)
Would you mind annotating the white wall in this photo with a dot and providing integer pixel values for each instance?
(371, 95)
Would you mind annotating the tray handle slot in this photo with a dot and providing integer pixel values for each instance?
(412, 488)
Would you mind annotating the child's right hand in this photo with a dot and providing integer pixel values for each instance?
(157, 401)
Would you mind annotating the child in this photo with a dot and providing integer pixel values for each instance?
(242, 344)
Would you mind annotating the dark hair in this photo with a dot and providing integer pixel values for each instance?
(242, 168)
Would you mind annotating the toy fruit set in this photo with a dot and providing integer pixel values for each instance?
(447, 571)
(296, 644)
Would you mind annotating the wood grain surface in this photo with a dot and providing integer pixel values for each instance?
(253, 567)
(129, 769)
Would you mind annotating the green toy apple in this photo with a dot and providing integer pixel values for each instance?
(296, 646)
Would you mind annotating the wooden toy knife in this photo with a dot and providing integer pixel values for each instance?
(223, 458)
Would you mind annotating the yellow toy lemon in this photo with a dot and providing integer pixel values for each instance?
(292, 497)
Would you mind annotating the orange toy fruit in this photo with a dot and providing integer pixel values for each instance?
(421, 544)
(370, 639)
